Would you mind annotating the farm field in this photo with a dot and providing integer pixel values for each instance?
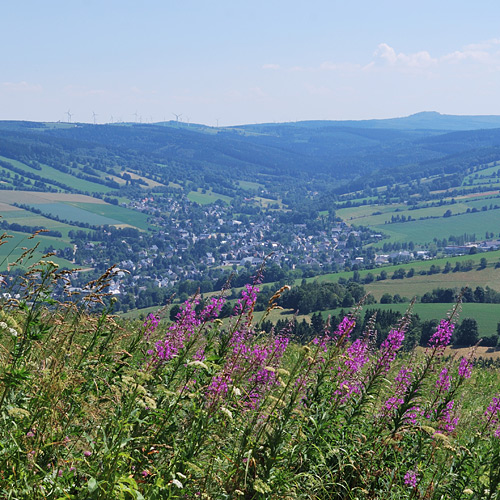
(418, 265)
(424, 231)
(486, 315)
(150, 183)
(121, 214)
(418, 285)
(71, 207)
(26, 218)
(52, 174)
(207, 197)
(10, 197)
(375, 218)
(250, 186)
(16, 245)
(74, 213)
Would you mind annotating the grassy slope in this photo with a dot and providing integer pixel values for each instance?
(52, 174)
(206, 198)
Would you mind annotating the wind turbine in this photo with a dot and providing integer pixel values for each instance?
(177, 117)
(111, 118)
(94, 115)
(136, 115)
(69, 116)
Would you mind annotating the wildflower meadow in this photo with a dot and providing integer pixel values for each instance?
(93, 407)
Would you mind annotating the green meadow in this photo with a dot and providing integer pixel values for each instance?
(486, 315)
(424, 231)
(208, 197)
(51, 174)
(118, 214)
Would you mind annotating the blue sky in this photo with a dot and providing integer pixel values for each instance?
(237, 61)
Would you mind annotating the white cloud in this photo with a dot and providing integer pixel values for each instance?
(77, 91)
(21, 87)
(420, 59)
(271, 66)
(488, 44)
(480, 56)
(330, 66)
(486, 53)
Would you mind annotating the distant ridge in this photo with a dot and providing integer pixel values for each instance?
(425, 120)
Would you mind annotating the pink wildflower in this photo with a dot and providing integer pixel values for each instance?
(442, 336)
(411, 478)
(492, 415)
(465, 367)
(443, 383)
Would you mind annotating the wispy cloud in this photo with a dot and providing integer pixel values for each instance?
(486, 53)
(420, 59)
(77, 91)
(21, 87)
(271, 66)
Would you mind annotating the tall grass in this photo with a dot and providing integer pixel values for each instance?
(93, 408)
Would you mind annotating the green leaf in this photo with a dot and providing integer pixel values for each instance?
(92, 485)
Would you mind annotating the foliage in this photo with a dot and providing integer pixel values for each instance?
(201, 408)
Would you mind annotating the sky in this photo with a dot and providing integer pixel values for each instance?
(230, 62)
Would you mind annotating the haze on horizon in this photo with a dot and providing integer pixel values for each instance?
(227, 62)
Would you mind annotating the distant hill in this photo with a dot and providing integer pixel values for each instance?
(343, 151)
(425, 120)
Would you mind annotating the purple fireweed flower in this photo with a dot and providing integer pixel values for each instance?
(443, 383)
(356, 356)
(150, 325)
(246, 303)
(411, 478)
(442, 336)
(219, 386)
(449, 417)
(389, 349)
(465, 367)
(492, 415)
(212, 309)
(344, 329)
(412, 414)
(178, 334)
(401, 383)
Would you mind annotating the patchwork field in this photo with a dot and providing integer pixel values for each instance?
(424, 231)
(15, 246)
(10, 197)
(71, 207)
(121, 215)
(486, 315)
(150, 183)
(51, 174)
(207, 197)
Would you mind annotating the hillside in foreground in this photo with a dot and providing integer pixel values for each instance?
(96, 408)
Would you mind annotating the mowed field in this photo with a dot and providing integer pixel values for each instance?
(207, 197)
(51, 174)
(419, 285)
(122, 215)
(13, 247)
(77, 208)
(486, 315)
(424, 231)
(72, 207)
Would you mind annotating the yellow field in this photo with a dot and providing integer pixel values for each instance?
(149, 182)
(36, 197)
